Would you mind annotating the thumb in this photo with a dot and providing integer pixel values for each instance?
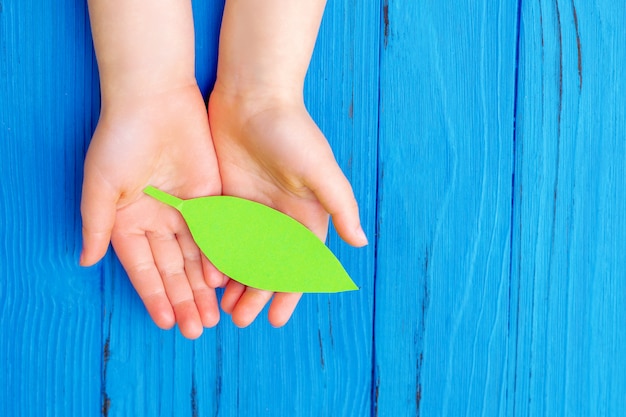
(334, 192)
(98, 207)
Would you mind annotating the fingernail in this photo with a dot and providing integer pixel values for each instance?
(361, 236)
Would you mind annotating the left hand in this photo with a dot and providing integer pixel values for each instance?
(272, 152)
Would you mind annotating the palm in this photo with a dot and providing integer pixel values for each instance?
(270, 165)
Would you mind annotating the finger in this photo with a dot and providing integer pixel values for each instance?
(334, 192)
(98, 207)
(225, 281)
(204, 297)
(233, 292)
(213, 277)
(249, 306)
(169, 261)
(206, 302)
(282, 307)
(136, 256)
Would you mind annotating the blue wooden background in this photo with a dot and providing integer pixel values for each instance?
(485, 141)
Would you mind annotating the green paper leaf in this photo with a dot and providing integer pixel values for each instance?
(258, 246)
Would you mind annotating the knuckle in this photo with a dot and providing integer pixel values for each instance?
(141, 267)
(172, 271)
(160, 236)
(184, 304)
(191, 256)
(153, 298)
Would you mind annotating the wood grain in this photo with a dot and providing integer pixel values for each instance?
(50, 309)
(444, 208)
(569, 228)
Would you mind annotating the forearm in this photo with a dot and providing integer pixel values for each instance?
(266, 46)
(142, 46)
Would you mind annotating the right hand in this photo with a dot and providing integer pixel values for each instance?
(161, 140)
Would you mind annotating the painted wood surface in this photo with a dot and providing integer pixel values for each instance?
(485, 143)
(50, 309)
(569, 233)
(446, 146)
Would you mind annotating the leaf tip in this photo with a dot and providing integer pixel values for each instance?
(352, 286)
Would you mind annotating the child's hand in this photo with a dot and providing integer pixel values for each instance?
(162, 140)
(269, 149)
(273, 153)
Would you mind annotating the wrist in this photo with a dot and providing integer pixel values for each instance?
(141, 46)
(152, 111)
(132, 92)
(265, 48)
(253, 96)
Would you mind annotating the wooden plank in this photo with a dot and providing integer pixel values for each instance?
(50, 309)
(444, 204)
(570, 196)
(320, 363)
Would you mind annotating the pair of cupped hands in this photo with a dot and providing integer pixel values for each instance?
(261, 147)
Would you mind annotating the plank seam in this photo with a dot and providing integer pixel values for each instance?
(382, 44)
(513, 198)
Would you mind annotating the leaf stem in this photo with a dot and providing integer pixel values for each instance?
(164, 197)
